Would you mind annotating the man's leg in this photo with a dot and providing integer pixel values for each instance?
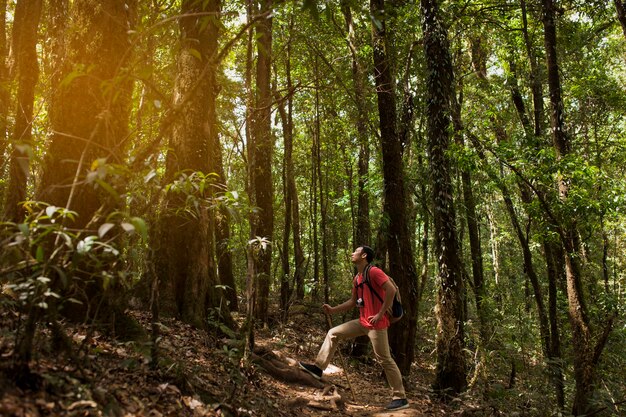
(347, 330)
(380, 344)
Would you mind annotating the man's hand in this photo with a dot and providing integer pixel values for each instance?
(328, 309)
(374, 319)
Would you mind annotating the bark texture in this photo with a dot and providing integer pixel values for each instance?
(262, 167)
(89, 122)
(27, 15)
(185, 257)
(451, 376)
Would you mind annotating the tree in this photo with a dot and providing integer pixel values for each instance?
(586, 353)
(363, 232)
(451, 373)
(27, 14)
(4, 90)
(186, 253)
(263, 222)
(92, 82)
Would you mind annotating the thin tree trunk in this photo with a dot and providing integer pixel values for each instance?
(250, 154)
(363, 231)
(288, 174)
(262, 173)
(451, 374)
(550, 335)
(314, 217)
(285, 290)
(586, 355)
(401, 263)
(27, 15)
(4, 89)
(554, 264)
(472, 221)
(323, 199)
(535, 76)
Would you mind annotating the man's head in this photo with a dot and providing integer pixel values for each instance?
(363, 253)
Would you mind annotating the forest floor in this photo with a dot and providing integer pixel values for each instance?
(202, 375)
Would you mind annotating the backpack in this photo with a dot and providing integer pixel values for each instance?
(395, 312)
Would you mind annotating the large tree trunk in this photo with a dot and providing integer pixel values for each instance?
(451, 373)
(263, 146)
(186, 255)
(26, 24)
(79, 134)
(401, 263)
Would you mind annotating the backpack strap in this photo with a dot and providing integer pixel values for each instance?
(366, 280)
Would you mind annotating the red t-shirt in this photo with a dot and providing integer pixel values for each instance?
(371, 303)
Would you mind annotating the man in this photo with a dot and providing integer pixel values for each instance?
(372, 322)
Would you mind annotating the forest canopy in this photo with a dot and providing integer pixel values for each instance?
(217, 162)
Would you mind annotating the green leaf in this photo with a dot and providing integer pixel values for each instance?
(23, 228)
(108, 189)
(140, 226)
(39, 254)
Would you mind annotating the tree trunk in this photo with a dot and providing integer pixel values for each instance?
(451, 376)
(186, 256)
(535, 76)
(298, 276)
(4, 89)
(401, 263)
(549, 333)
(586, 355)
(472, 221)
(250, 149)
(363, 232)
(288, 182)
(26, 24)
(285, 290)
(554, 262)
(80, 135)
(263, 146)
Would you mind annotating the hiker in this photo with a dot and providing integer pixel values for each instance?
(372, 322)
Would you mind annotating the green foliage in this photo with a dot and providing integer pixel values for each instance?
(44, 259)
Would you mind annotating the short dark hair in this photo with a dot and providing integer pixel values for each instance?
(369, 253)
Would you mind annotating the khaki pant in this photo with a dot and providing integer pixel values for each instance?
(380, 343)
